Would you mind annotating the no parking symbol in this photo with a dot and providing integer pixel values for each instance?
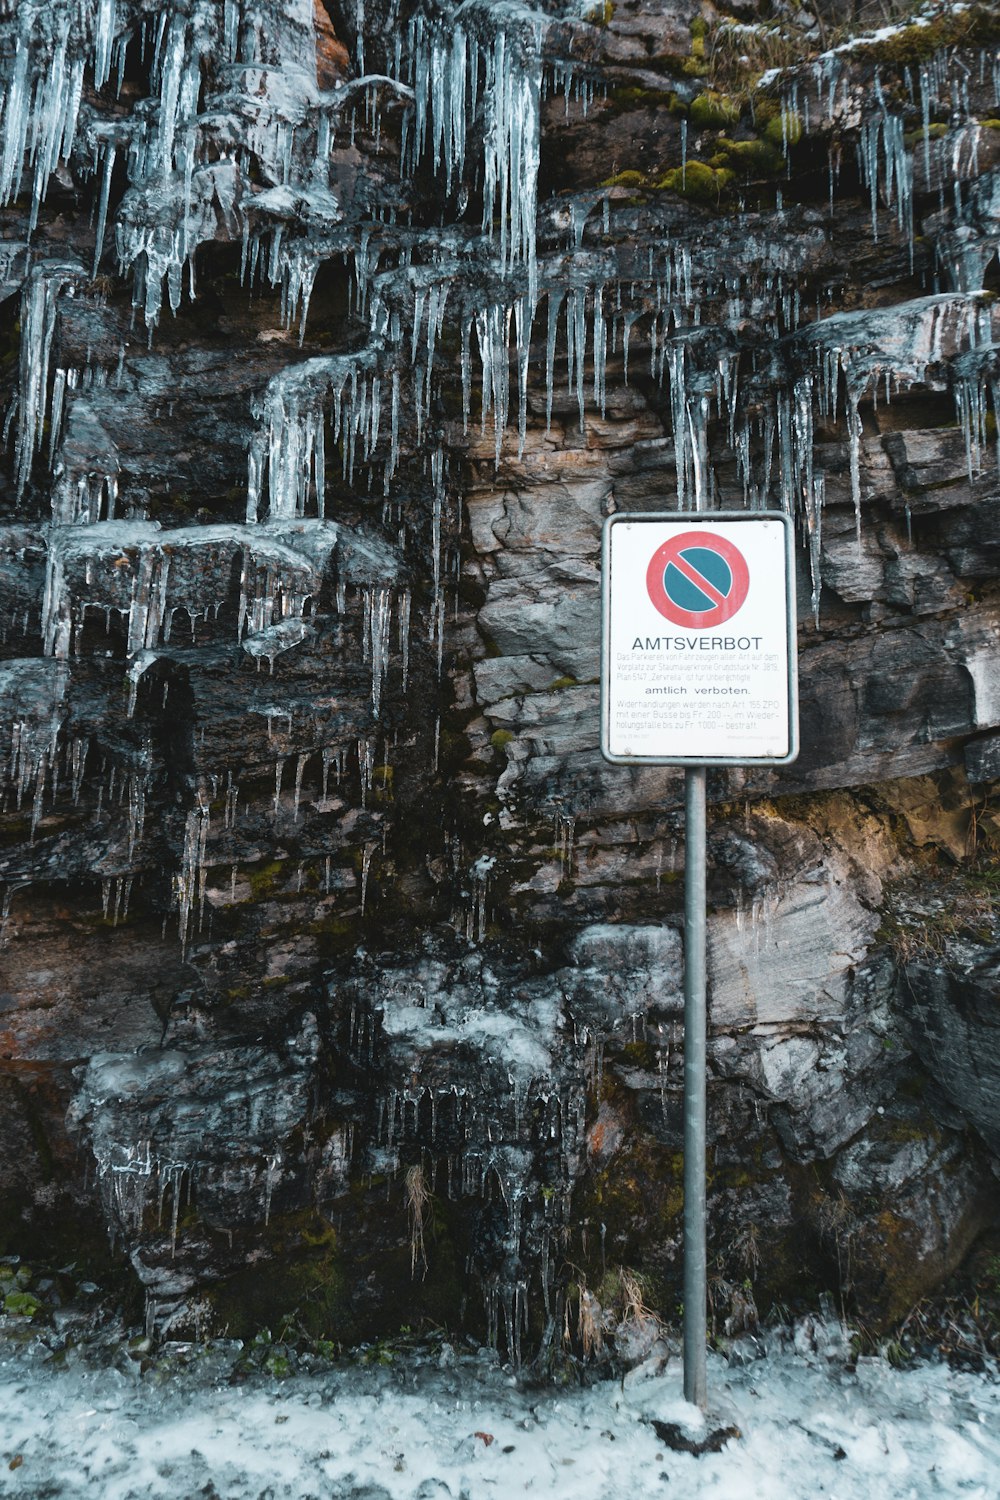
(697, 580)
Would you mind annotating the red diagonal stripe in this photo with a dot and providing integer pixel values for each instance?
(693, 576)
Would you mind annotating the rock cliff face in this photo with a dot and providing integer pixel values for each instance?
(340, 975)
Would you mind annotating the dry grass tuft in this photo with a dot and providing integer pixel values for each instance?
(418, 1202)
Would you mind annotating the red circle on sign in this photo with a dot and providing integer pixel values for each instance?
(697, 580)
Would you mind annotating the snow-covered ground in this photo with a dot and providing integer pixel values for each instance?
(440, 1426)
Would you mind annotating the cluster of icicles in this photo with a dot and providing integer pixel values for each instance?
(488, 57)
(136, 1180)
(139, 1178)
(485, 56)
(189, 154)
(480, 1144)
(508, 1134)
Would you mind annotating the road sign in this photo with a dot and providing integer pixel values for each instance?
(698, 649)
(698, 669)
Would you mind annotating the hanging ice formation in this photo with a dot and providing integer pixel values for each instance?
(976, 384)
(479, 63)
(478, 1143)
(289, 449)
(151, 1163)
(38, 325)
(43, 74)
(143, 575)
(481, 1083)
(489, 53)
(885, 161)
(32, 707)
(897, 345)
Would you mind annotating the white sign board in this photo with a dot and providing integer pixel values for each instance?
(698, 650)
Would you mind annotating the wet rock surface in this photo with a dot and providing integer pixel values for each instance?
(339, 974)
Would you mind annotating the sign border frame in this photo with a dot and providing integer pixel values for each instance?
(693, 519)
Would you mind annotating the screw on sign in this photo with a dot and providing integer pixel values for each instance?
(697, 581)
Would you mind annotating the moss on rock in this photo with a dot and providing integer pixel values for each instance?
(697, 181)
(714, 111)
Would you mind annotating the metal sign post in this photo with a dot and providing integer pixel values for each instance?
(698, 669)
(695, 1093)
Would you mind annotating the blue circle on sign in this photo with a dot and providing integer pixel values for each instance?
(685, 590)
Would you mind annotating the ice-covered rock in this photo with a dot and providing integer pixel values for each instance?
(300, 638)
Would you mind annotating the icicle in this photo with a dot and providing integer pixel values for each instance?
(555, 299)
(102, 212)
(38, 324)
(189, 885)
(271, 1180)
(300, 766)
(887, 130)
(493, 331)
(576, 345)
(404, 634)
(814, 523)
(366, 860)
(376, 638)
(854, 437)
(366, 763)
(600, 339)
(677, 360)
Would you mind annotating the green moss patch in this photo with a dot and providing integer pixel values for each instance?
(749, 158)
(265, 880)
(916, 44)
(21, 1304)
(784, 127)
(629, 179)
(932, 132)
(697, 181)
(600, 14)
(714, 111)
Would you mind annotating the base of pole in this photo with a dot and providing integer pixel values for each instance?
(714, 1440)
